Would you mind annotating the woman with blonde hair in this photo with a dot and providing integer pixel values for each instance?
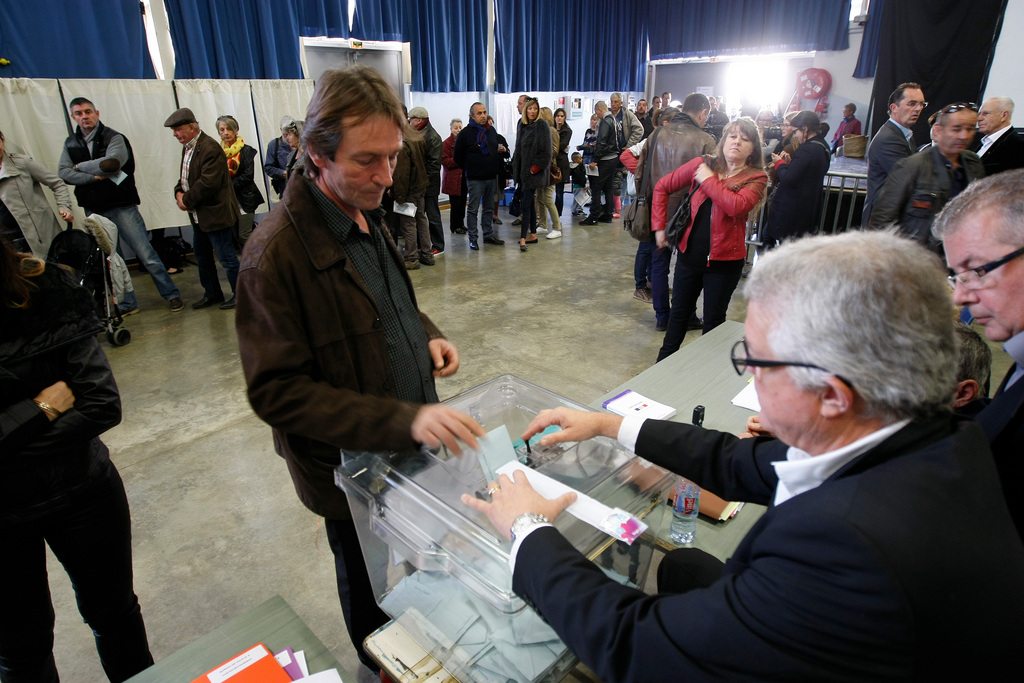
(546, 195)
(531, 164)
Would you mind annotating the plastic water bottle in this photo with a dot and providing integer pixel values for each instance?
(684, 512)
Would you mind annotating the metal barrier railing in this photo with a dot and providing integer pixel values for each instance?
(841, 185)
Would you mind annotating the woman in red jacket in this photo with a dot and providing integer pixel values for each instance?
(713, 248)
(452, 183)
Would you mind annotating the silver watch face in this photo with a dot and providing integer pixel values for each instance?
(525, 521)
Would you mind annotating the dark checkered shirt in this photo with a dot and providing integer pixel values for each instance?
(408, 353)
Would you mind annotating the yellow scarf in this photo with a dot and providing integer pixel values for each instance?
(233, 154)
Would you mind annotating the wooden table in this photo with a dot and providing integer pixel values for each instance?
(274, 623)
(701, 373)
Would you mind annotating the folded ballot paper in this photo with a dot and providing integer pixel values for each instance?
(631, 403)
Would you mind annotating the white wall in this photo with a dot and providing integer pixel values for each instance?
(845, 88)
(1004, 78)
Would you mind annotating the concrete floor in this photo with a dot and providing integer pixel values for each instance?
(217, 526)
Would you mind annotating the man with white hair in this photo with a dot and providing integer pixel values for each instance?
(885, 532)
(982, 231)
(1000, 147)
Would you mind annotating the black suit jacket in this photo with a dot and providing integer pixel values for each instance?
(887, 147)
(1005, 154)
(1003, 421)
(902, 565)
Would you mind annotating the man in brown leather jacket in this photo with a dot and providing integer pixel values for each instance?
(336, 354)
(670, 146)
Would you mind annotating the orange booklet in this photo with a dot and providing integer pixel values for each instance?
(255, 665)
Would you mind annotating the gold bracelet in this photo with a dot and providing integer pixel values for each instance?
(47, 408)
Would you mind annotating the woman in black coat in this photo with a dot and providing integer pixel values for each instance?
(531, 165)
(796, 205)
(57, 484)
(564, 136)
(242, 167)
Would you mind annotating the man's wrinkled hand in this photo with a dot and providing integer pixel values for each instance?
(576, 425)
(510, 499)
(444, 356)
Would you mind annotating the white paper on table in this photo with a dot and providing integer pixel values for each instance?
(748, 398)
(407, 209)
(300, 657)
(329, 676)
(613, 521)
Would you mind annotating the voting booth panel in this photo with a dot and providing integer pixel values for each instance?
(441, 570)
(33, 123)
(138, 108)
(273, 100)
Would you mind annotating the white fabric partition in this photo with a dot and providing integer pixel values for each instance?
(138, 109)
(208, 99)
(33, 121)
(272, 100)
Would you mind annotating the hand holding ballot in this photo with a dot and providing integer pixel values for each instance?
(510, 499)
(576, 426)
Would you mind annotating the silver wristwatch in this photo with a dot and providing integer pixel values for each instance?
(525, 522)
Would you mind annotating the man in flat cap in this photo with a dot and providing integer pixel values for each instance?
(205, 193)
(420, 120)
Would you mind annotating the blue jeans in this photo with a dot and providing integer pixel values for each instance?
(131, 229)
(642, 264)
(480, 191)
(89, 531)
(205, 244)
(660, 261)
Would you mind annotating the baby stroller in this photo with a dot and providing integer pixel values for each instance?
(81, 251)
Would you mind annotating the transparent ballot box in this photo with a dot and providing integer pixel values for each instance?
(440, 569)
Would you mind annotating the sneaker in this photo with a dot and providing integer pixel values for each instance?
(589, 220)
(541, 231)
(125, 312)
(616, 215)
(427, 260)
(474, 246)
(496, 221)
(437, 252)
(494, 240)
(177, 305)
(554, 234)
(518, 221)
(412, 265)
(643, 295)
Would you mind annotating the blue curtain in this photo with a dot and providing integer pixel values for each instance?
(705, 28)
(323, 18)
(448, 39)
(60, 39)
(378, 20)
(234, 38)
(867, 58)
(570, 45)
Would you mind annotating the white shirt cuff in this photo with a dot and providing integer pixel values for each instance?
(519, 541)
(629, 431)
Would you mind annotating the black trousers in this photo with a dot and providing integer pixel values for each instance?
(606, 171)
(434, 218)
(457, 220)
(89, 531)
(362, 615)
(686, 569)
(718, 279)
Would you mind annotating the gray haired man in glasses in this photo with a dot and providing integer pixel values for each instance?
(983, 233)
(885, 531)
(920, 185)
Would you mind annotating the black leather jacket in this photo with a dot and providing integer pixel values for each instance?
(54, 339)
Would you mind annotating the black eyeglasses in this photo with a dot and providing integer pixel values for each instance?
(971, 277)
(741, 361)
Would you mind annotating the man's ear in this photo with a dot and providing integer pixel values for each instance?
(966, 391)
(837, 398)
(318, 159)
